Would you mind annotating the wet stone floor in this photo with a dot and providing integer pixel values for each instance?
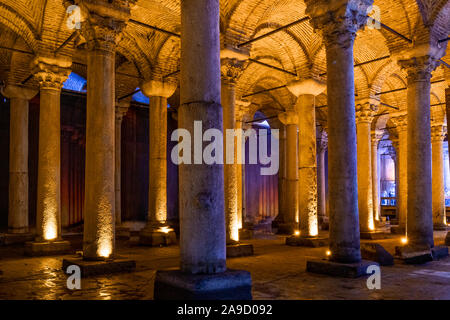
(278, 272)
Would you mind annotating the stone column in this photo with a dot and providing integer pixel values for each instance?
(419, 214)
(339, 24)
(231, 70)
(18, 157)
(375, 139)
(306, 91)
(364, 116)
(280, 219)
(321, 181)
(438, 189)
(290, 225)
(105, 22)
(157, 232)
(121, 111)
(241, 118)
(401, 123)
(51, 73)
(202, 225)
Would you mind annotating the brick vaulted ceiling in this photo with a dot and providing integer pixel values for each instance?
(39, 26)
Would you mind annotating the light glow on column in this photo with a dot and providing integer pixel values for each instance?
(49, 220)
(105, 228)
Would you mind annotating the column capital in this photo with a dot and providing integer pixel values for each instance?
(121, 109)
(154, 88)
(419, 68)
(103, 20)
(51, 72)
(306, 86)
(288, 117)
(376, 136)
(242, 109)
(15, 91)
(438, 132)
(366, 110)
(339, 20)
(231, 69)
(400, 121)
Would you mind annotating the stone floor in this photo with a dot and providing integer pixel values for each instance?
(278, 272)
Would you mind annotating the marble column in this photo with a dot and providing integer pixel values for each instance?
(50, 73)
(375, 139)
(202, 214)
(18, 157)
(99, 205)
(419, 214)
(306, 91)
(231, 69)
(121, 111)
(365, 112)
(321, 181)
(339, 24)
(290, 225)
(401, 123)
(438, 188)
(157, 232)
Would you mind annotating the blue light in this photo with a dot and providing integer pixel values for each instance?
(75, 83)
(140, 97)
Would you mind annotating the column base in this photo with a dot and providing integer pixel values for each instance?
(376, 252)
(47, 248)
(287, 228)
(439, 252)
(123, 233)
(372, 235)
(239, 250)
(325, 225)
(440, 227)
(245, 234)
(15, 238)
(93, 268)
(414, 254)
(229, 285)
(312, 242)
(157, 238)
(337, 269)
(398, 230)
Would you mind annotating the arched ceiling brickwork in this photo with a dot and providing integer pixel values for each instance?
(39, 26)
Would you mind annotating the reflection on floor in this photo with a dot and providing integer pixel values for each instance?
(278, 272)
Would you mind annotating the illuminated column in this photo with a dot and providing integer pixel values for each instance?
(157, 232)
(419, 215)
(290, 120)
(202, 225)
(339, 24)
(231, 70)
(375, 177)
(51, 73)
(321, 187)
(438, 188)
(401, 123)
(306, 91)
(280, 219)
(121, 111)
(241, 118)
(364, 116)
(18, 157)
(99, 207)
